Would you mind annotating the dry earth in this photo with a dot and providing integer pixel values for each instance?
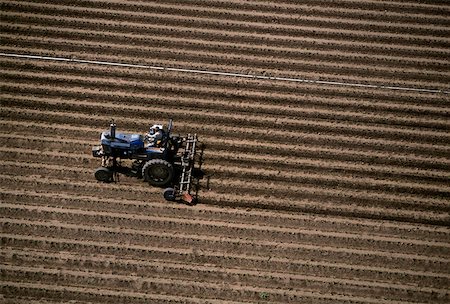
(318, 193)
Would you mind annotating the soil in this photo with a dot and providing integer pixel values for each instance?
(314, 192)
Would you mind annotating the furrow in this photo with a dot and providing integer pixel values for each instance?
(285, 91)
(287, 238)
(240, 63)
(242, 291)
(165, 268)
(293, 18)
(232, 36)
(255, 97)
(20, 25)
(355, 9)
(288, 181)
(304, 138)
(236, 216)
(292, 124)
(316, 200)
(90, 294)
(338, 194)
(269, 180)
(113, 296)
(240, 257)
(323, 204)
(267, 58)
(276, 186)
(140, 93)
(184, 256)
(215, 157)
(398, 10)
(246, 144)
(218, 23)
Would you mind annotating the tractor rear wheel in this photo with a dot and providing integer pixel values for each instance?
(158, 172)
(103, 174)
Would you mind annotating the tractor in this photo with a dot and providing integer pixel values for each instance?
(169, 162)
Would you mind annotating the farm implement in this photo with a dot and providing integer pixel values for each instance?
(161, 159)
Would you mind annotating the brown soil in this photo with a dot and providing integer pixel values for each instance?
(317, 193)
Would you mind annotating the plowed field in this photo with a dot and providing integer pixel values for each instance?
(326, 126)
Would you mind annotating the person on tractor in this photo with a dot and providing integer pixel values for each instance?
(154, 136)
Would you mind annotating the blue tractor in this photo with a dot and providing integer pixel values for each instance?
(166, 161)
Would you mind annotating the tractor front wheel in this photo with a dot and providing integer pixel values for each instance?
(158, 172)
(103, 174)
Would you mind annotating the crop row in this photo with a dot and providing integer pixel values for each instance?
(16, 291)
(365, 191)
(313, 193)
(257, 93)
(223, 175)
(353, 204)
(197, 255)
(254, 146)
(299, 268)
(217, 146)
(238, 38)
(351, 9)
(190, 287)
(252, 139)
(410, 232)
(240, 63)
(89, 248)
(288, 239)
(315, 67)
(138, 97)
(226, 165)
(303, 269)
(175, 19)
(21, 24)
(308, 124)
(142, 93)
(242, 12)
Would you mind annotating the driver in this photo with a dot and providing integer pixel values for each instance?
(154, 135)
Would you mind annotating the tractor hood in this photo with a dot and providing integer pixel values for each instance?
(121, 140)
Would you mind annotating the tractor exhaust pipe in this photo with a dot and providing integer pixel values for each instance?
(112, 132)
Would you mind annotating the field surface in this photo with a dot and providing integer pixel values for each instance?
(328, 166)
